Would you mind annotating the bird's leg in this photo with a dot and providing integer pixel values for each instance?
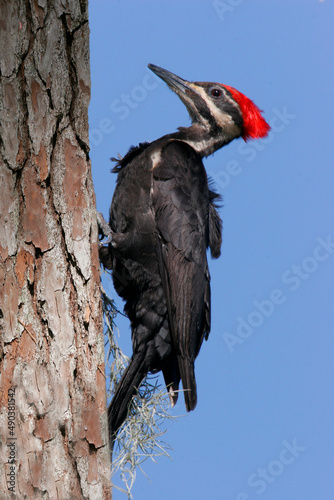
(104, 230)
(106, 237)
(111, 242)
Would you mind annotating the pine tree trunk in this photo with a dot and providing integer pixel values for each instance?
(53, 423)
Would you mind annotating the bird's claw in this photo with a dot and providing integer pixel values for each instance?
(105, 232)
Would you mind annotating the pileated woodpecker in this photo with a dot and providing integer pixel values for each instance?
(163, 218)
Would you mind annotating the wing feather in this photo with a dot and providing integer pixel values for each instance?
(181, 204)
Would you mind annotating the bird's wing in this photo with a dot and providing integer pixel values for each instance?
(180, 200)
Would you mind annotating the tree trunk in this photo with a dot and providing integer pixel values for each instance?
(53, 419)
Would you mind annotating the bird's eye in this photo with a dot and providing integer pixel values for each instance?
(216, 92)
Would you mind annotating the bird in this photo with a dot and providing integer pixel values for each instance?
(163, 218)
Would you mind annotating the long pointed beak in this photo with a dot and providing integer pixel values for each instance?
(174, 82)
(186, 91)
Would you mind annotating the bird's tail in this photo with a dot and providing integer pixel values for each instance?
(187, 372)
(126, 388)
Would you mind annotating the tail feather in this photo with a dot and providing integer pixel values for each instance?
(126, 388)
(171, 375)
(187, 372)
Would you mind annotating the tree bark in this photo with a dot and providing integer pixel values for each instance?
(53, 419)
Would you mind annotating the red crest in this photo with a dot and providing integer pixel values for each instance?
(255, 126)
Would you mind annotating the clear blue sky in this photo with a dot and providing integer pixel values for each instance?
(263, 427)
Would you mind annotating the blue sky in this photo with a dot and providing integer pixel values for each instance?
(263, 426)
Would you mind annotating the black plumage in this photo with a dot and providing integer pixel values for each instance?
(163, 219)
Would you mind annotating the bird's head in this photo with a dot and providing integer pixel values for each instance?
(220, 112)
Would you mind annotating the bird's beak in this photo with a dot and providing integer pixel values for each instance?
(174, 82)
(186, 91)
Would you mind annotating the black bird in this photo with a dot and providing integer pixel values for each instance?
(163, 218)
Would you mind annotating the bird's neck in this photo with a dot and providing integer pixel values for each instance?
(203, 140)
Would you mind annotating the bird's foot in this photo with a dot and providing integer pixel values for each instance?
(105, 232)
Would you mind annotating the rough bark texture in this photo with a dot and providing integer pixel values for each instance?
(52, 384)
